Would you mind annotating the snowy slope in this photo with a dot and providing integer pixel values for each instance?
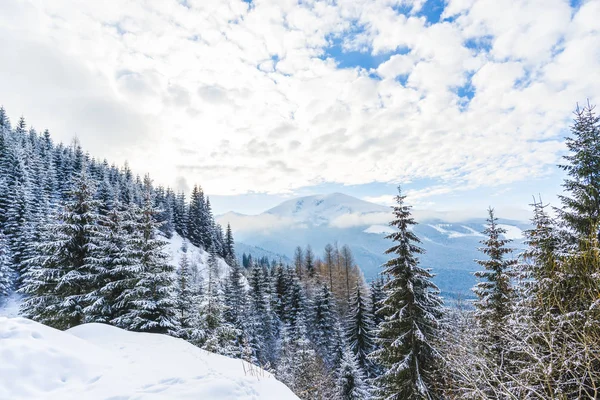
(195, 255)
(96, 361)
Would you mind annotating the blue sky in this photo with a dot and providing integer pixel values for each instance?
(463, 103)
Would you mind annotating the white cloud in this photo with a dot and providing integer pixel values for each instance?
(244, 224)
(239, 97)
(361, 219)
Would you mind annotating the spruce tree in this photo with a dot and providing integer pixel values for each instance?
(411, 309)
(261, 318)
(62, 276)
(221, 336)
(229, 246)
(351, 381)
(360, 328)
(6, 271)
(324, 327)
(495, 292)
(581, 210)
(151, 299)
(115, 266)
(186, 298)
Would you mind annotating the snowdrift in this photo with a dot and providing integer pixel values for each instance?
(96, 361)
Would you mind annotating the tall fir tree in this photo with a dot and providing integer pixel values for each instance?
(495, 293)
(150, 298)
(411, 312)
(261, 317)
(351, 381)
(581, 210)
(360, 328)
(324, 326)
(6, 271)
(62, 276)
(115, 265)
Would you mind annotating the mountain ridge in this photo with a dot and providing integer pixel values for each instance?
(450, 246)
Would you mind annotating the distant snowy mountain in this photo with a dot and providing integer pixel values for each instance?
(451, 247)
(323, 209)
(97, 361)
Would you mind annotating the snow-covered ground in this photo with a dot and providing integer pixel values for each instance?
(96, 361)
(195, 255)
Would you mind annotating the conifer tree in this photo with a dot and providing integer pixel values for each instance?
(180, 215)
(309, 262)
(235, 313)
(229, 246)
(62, 276)
(221, 336)
(151, 300)
(115, 265)
(495, 291)
(185, 298)
(360, 328)
(351, 382)
(411, 309)
(6, 272)
(581, 210)
(261, 318)
(325, 326)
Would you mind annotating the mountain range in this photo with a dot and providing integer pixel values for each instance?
(451, 246)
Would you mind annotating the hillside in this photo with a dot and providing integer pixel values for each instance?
(96, 361)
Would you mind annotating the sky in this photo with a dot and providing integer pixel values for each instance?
(465, 103)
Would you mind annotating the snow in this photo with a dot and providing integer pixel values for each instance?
(379, 229)
(195, 255)
(322, 209)
(441, 228)
(96, 361)
(512, 232)
(10, 307)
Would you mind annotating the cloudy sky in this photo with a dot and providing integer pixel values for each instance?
(463, 102)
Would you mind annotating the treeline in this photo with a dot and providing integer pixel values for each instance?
(38, 179)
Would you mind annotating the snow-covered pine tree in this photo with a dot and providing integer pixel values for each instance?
(360, 329)
(207, 226)
(411, 312)
(351, 380)
(261, 318)
(324, 327)
(309, 262)
(235, 312)
(114, 266)
(581, 210)
(180, 215)
(150, 298)
(495, 291)
(6, 271)
(299, 262)
(186, 300)
(194, 216)
(329, 260)
(229, 246)
(221, 337)
(62, 275)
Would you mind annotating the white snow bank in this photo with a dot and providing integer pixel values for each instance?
(96, 361)
(194, 255)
